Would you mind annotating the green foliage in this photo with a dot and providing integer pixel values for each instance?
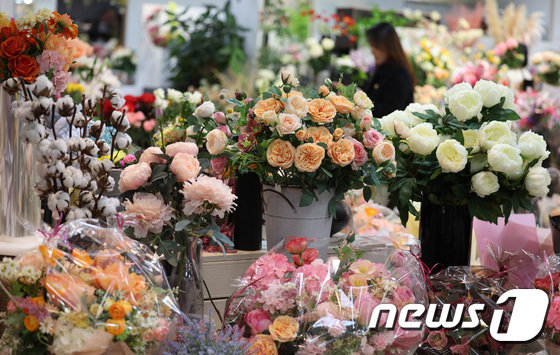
(377, 16)
(213, 43)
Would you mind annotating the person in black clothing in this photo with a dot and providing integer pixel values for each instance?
(391, 87)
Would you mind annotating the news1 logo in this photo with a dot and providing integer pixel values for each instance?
(525, 323)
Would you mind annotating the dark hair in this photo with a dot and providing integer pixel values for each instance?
(384, 37)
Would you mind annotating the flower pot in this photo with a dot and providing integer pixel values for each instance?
(247, 216)
(284, 217)
(445, 235)
(18, 174)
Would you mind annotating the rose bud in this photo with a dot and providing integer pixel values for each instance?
(296, 246)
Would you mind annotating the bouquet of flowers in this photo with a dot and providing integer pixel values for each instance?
(467, 155)
(432, 63)
(37, 44)
(547, 66)
(94, 73)
(472, 72)
(537, 111)
(319, 53)
(510, 53)
(548, 280)
(87, 289)
(293, 302)
(159, 23)
(124, 60)
(328, 141)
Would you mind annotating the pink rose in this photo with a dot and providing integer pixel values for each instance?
(216, 141)
(33, 259)
(219, 117)
(365, 123)
(219, 165)
(365, 303)
(149, 156)
(402, 296)
(181, 147)
(296, 245)
(437, 339)
(512, 43)
(407, 339)
(135, 118)
(160, 333)
(226, 130)
(371, 138)
(134, 176)
(258, 320)
(309, 256)
(129, 159)
(500, 49)
(398, 258)
(11, 306)
(360, 154)
(148, 335)
(383, 151)
(149, 125)
(185, 166)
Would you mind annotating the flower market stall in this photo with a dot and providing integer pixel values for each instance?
(279, 177)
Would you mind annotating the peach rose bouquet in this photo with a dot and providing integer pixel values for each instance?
(85, 290)
(323, 141)
(290, 301)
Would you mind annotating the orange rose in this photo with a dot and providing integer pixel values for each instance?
(320, 135)
(115, 326)
(301, 135)
(50, 255)
(13, 47)
(262, 344)
(25, 67)
(280, 154)
(59, 44)
(383, 151)
(341, 152)
(338, 132)
(120, 309)
(67, 289)
(322, 111)
(309, 157)
(324, 91)
(31, 323)
(117, 277)
(81, 258)
(284, 329)
(342, 104)
(267, 105)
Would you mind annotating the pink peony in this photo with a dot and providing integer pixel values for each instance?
(181, 147)
(512, 43)
(402, 296)
(365, 303)
(360, 154)
(371, 138)
(136, 118)
(185, 166)
(149, 211)
(219, 117)
(380, 341)
(134, 176)
(50, 59)
(258, 320)
(500, 49)
(204, 191)
(149, 125)
(60, 81)
(149, 156)
(266, 269)
(219, 165)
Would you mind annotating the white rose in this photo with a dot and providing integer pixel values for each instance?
(533, 146)
(269, 118)
(465, 105)
(360, 113)
(455, 89)
(297, 105)
(205, 110)
(216, 141)
(537, 181)
(315, 51)
(506, 159)
(485, 183)
(495, 132)
(362, 100)
(470, 138)
(328, 44)
(388, 122)
(452, 156)
(490, 92)
(413, 120)
(194, 98)
(401, 129)
(288, 123)
(423, 139)
(509, 103)
(175, 95)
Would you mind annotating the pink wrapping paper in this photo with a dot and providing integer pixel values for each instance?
(513, 244)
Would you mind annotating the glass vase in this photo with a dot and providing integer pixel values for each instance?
(186, 277)
(445, 235)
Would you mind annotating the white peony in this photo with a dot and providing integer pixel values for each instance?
(455, 89)
(485, 183)
(471, 140)
(509, 103)
(532, 146)
(537, 181)
(205, 110)
(328, 44)
(495, 132)
(465, 104)
(388, 122)
(315, 50)
(413, 120)
(490, 92)
(362, 100)
(452, 156)
(506, 159)
(423, 139)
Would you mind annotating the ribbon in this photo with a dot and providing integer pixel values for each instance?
(426, 270)
(58, 231)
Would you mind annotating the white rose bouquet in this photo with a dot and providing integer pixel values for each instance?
(467, 155)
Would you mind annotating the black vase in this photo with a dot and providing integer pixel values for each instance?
(247, 217)
(555, 231)
(445, 235)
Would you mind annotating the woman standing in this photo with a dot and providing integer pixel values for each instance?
(392, 86)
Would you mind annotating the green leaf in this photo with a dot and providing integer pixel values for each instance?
(435, 174)
(169, 249)
(306, 198)
(367, 193)
(332, 207)
(181, 225)
(234, 102)
(276, 91)
(328, 173)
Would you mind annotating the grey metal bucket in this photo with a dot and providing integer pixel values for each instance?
(284, 218)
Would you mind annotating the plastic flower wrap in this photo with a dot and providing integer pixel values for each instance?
(90, 291)
(548, 280)
(293, 302)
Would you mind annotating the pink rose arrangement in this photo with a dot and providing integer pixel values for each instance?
(164, 193)
(325, 306)
(509, 53)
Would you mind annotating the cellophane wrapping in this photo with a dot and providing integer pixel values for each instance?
(290, 301)
(88, 290)
(548, 280)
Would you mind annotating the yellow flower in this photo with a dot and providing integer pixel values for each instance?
(284, 329)
(94, 309)
(120, 309)
(229, 110)
(75, 87)
(79, 319)
(108, 303)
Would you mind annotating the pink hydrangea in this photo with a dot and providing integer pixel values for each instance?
(316, 279)
(553, 317)
(60, 81)
(50, 59)
(380, 341)
(278, 297)
(266, 269)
